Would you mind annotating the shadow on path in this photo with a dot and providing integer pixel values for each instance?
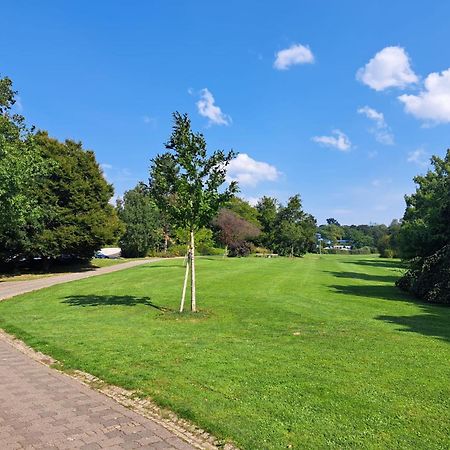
(111, 300)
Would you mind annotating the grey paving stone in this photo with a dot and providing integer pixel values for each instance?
(42, 408)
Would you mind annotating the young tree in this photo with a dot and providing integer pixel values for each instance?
(186, 185)
(140, 215)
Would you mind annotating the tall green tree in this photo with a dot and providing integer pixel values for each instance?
(294, 229)
(243, 209)
(426, 222)
(141, 218)
(188, 188)
(424, 236)
(267, 208)
(161, 191)
(21, 165)
(77, 217)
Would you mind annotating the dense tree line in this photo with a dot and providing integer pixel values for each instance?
(55, 205)
(54, 198)
(374, 238)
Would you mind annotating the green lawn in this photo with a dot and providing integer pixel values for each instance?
(305, 353)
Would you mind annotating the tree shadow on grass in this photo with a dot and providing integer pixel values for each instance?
(435, 322)
(365, 276)
(386, 263)
(111, 300)
(374, 291)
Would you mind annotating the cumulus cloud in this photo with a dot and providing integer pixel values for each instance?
(433, 102)
(207, 108)
(381, 131)
(390, 67)
(249, 172)
(419, 157)
(338, 140)
(295, 54)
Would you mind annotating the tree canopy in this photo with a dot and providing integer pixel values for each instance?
(424, 236)
(141, 218)
(187, 184)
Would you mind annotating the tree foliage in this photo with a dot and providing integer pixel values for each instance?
(78, 218)
(294, 229)
(21, 165)
(426, 222)
(187, 184)
(234, 230)
(141, 218)
(424, 236)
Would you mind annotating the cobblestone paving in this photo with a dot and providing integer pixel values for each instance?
(42, 408)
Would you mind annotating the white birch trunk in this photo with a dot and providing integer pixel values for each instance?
(183, 296)
(193, 298)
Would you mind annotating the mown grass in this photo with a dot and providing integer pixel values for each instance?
(305, 353)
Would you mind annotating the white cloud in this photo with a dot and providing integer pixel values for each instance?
(381, 182)
(382, 132)
(433, 102)
(149, 120)
(207, 108)
(390, 67)
(250, 172)
(106, 166)
(252, 200)
(340, 140)
(419, 157)
(295, 54)
(372, 114)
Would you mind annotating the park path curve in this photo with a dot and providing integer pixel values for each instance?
(46, 409)
(10, 289)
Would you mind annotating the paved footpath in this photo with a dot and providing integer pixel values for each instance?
(11, 288)
(43, 408)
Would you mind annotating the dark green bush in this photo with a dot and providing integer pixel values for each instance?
(241, 248)
(429, 278)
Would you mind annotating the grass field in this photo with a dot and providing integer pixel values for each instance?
(305, 353)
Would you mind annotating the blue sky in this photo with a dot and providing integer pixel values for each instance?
(342, 102)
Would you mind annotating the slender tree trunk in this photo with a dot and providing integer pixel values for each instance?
(226, 251)
(186, 276)
(193, 298)
(166, 241)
